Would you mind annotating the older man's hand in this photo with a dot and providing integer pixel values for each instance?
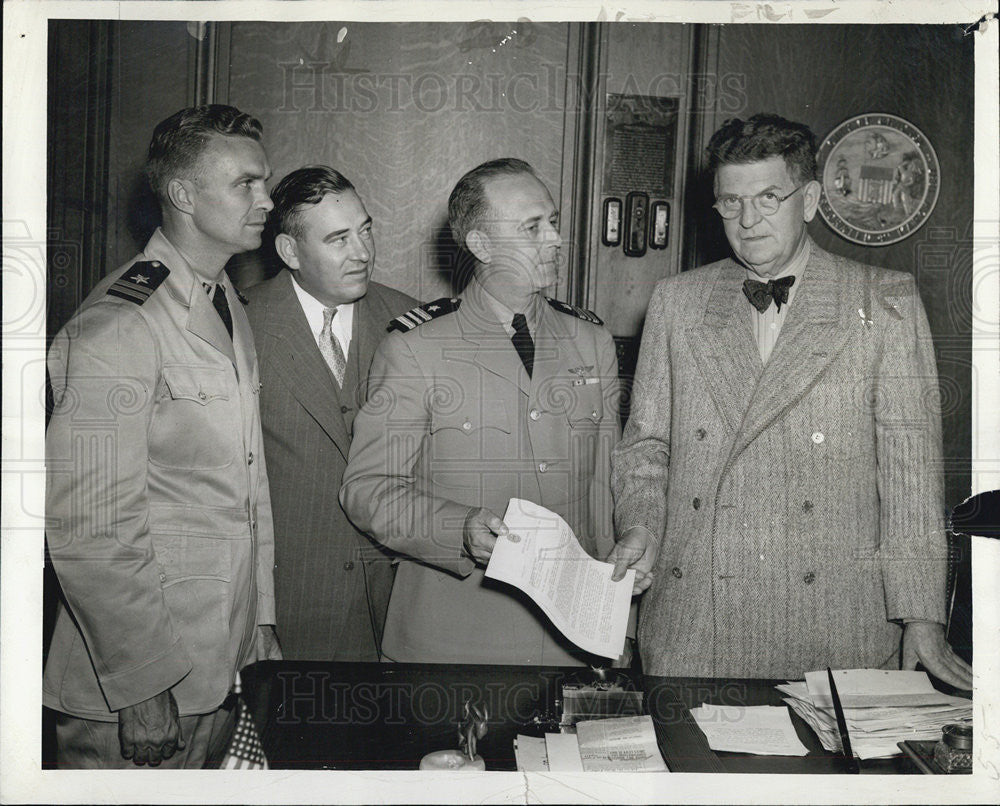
(636, 549)
(924, 642)
(150, 731)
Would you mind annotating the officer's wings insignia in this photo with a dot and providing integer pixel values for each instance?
(139, 282)
(572, 310)
(424, 313)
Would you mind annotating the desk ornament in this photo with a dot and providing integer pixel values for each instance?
(471, 729)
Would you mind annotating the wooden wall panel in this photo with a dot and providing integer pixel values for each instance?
(150, 77)
(638, 59)
(403, 110)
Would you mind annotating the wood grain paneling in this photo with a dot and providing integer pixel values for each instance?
(403, 110)
(639, 59)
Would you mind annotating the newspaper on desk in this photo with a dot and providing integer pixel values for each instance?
(543, 558)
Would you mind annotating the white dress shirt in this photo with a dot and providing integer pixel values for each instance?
(313, 309)
(766, 326)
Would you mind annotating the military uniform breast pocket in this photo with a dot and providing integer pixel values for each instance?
(585, 408)
(462, 440)
(195, 425)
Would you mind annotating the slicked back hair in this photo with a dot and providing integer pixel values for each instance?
(303, 187)
(179, 141)
(468, 206)
(763, 136)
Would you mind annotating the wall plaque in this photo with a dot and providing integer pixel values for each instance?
(880, 179)
(640, 145)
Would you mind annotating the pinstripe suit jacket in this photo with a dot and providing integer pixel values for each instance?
(798, 505)
(331, 583)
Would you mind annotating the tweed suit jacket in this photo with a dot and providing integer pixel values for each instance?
(157, 506)
(453, 422)
(798, 506)
(331, 582)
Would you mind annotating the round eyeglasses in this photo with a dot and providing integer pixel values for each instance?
(766, 202)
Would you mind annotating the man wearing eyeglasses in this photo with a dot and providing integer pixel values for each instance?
(779, 484)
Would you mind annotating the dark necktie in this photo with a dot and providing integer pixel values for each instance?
(761, 294)
(219, 301)
(522, 342)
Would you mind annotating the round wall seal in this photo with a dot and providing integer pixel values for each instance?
(880, 179)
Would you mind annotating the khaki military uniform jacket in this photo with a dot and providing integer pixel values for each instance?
(157, 505)
(798, 505)
(453, 422)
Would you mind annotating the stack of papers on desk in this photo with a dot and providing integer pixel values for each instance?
(625, 744)
(881, 708)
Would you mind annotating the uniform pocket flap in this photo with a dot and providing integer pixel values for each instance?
(184, 557)
(200, 384)
(491, 414)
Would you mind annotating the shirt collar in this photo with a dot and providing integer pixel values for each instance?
(505, 315)
(796, 266)
(313, 309)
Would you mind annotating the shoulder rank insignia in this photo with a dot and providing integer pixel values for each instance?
(424, 313)
(140, 281)
(572, 310)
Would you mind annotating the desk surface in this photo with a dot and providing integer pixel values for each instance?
(370, 716)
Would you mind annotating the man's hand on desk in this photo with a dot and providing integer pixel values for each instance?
(636, 550)
(924, 642)
(150, 731)
(482, 528)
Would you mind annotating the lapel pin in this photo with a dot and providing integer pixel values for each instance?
(864, 317)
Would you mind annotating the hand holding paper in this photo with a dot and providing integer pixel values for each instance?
(576, 591)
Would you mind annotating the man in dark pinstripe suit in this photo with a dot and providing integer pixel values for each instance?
(316, 325)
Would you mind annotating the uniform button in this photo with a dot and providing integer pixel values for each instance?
(202, 396)
(807, 506)
(543, 466)
(818, 437)
(809, 578)
(250, 458)
(676, 572)
(344, 409)
(696, 503)
(534, 414)
(466, 426)
(349, 566)
(700, 434)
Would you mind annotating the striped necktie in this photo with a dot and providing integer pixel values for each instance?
(330, 347)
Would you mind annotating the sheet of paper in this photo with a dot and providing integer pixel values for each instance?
(530, 754)
(563, 752)
(765, 730)
(861, 688)
(622, 744)
(542, 557)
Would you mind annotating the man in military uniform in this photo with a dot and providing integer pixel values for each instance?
(157, 498)
(474, 400)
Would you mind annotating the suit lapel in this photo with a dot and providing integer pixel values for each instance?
(371, 316)
(494, 351)
(555, 348)
(295, 356)
(205, 323)
(724, 349)
(811, 337)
